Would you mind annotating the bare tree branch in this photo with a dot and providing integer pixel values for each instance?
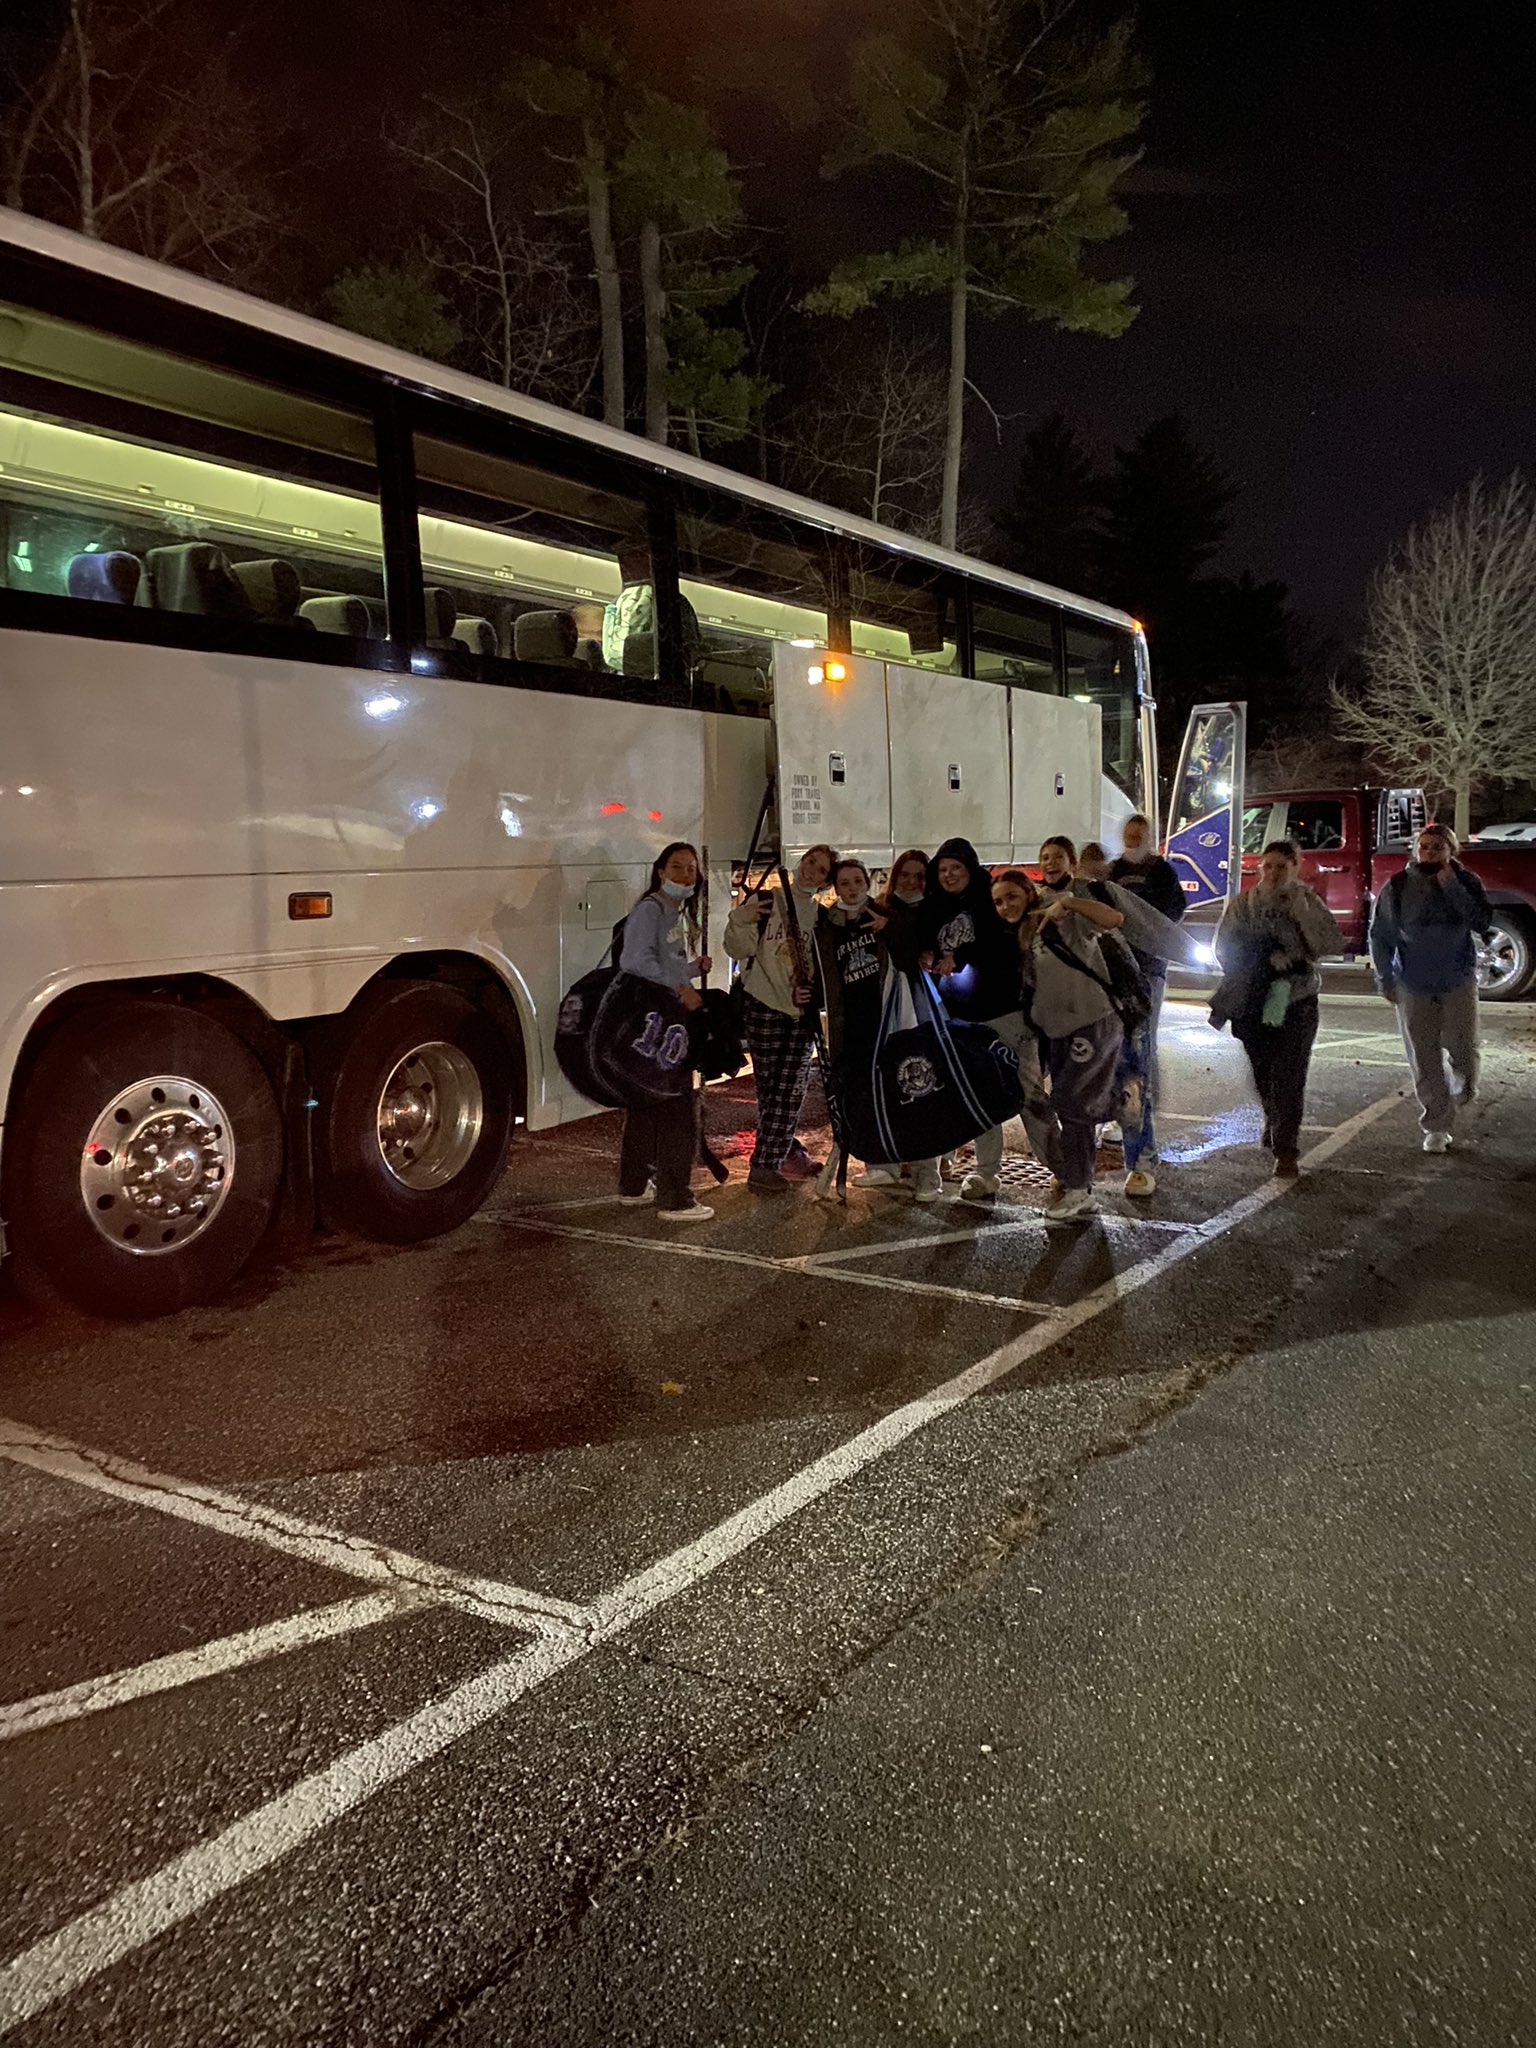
(1450, 648)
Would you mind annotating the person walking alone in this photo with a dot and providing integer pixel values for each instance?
(664, 1142)
(776, 994)
(1425, 961)
(1269, 943)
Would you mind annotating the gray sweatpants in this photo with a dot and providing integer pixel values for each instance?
(1440, 1031)
(1082, 1069)
(1012, 1030)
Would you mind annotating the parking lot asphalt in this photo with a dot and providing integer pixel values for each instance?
(379, 1639)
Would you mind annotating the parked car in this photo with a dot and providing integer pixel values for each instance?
(1522, 833)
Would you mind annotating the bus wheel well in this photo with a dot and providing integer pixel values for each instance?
(238, 1012)
(476, 979)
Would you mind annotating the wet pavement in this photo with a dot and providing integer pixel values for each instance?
(565, 1632)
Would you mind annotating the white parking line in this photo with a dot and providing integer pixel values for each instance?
(334, 1550)
(784, 1268)
(60, 1963)
(186, 1667)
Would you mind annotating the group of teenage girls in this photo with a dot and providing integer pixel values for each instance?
(1026, 958)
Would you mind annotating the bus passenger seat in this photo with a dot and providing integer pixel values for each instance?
(478, 635)
(195, 576)
(274, 590)
(544, 636)
(441, 613)
(640, 655)
(111, 578)
(334, 613)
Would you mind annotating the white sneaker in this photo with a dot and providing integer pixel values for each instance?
(1111, 1134)
(1437, 1141)
(980, 1187)
(1141, 1182)
(927, 1191)
(1072, 1205)
(696, 1212)
(634, 1201)
(878, 1177)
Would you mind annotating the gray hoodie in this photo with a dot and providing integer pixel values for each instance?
(1065, 999)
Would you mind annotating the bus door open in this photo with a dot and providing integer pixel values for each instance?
(1205, 808)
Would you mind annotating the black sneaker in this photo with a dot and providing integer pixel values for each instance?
(767, 1180)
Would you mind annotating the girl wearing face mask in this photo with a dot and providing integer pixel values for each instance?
(660, 935)
(977, 965)
(1074, 1016)
(776, 950)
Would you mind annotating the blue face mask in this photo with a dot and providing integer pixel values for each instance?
(678, 891)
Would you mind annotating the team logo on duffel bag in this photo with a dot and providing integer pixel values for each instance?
(915, 1077)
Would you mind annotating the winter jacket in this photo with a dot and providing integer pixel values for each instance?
(1421, 931)
(1257, 924)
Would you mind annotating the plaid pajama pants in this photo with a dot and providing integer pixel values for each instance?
(781, 1050)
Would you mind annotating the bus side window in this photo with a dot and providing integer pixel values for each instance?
(543, 578)
(1015, 641)
(748, 578)
(904, 610)
(135, 479)
(1101, 669)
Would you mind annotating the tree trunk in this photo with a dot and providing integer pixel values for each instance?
(85, 140)
(605, 263)
(1462, 788)
(653, 305)
(954, 432)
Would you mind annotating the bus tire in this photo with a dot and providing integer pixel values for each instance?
(141, 1163)
(414, 1090)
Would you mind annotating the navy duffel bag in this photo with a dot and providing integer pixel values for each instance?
(929, 1085)
(623, 1042)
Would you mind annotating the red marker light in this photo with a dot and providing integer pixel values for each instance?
(612, 810)
(654, 816)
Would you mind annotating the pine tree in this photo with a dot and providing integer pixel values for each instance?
(1011, 120)
(1051, 528)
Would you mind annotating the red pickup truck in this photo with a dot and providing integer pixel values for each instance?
(1351, 840)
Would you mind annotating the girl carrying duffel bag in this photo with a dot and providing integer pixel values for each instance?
(623, 1037)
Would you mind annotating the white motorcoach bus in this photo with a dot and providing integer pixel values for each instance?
(346, 701)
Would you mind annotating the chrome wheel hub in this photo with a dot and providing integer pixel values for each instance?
(430, 1116)
(157, 1165)
(1500, 960)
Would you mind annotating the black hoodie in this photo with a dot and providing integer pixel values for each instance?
(987, 980)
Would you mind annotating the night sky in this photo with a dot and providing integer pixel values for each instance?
(1330, 236)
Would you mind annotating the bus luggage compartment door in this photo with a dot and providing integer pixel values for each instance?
(949, 762)
(834, 756)
(1056, 770)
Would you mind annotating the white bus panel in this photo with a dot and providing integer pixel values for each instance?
(949, 762)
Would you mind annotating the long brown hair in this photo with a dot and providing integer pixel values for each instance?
(885, 901)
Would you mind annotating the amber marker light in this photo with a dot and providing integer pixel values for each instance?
(836, 671)
(310, 903)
